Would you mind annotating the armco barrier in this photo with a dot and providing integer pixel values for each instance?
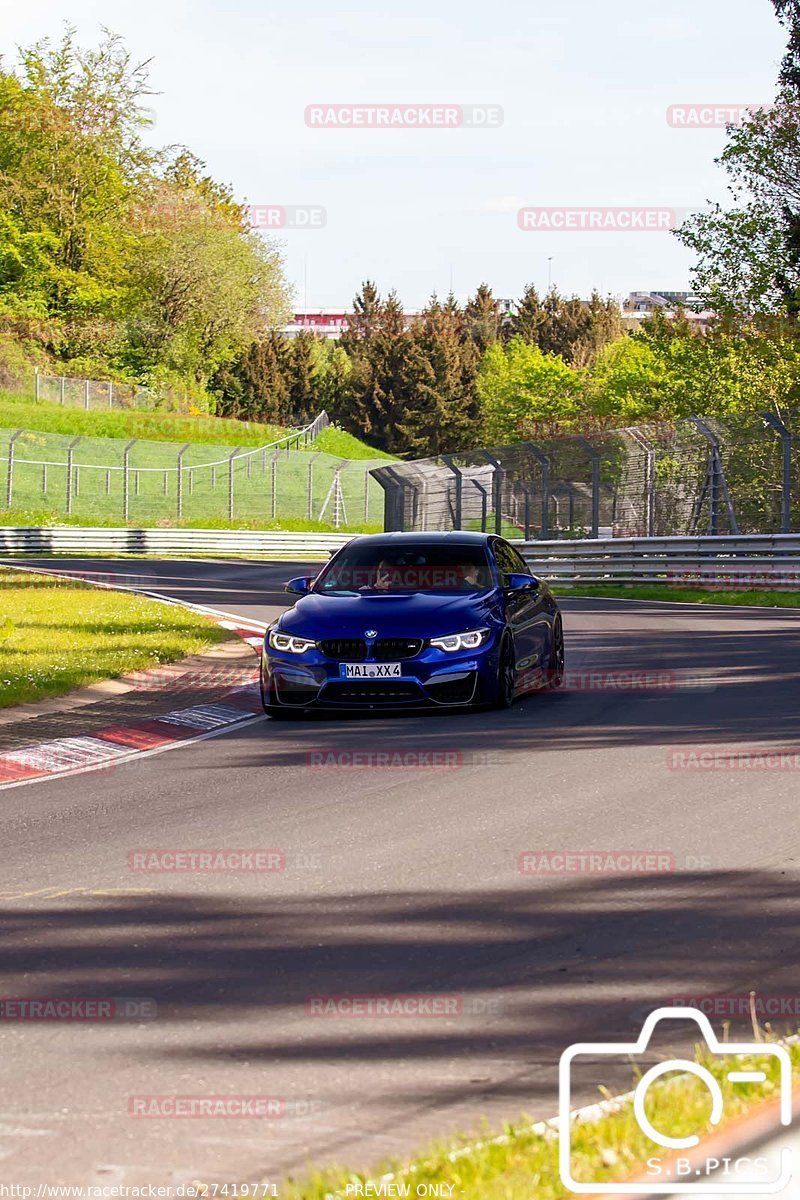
(757, 560)
(736, 561)
(70, 539)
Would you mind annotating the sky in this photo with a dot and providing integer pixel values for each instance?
(575, 96)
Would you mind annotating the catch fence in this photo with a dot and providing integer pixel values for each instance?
(692, 477)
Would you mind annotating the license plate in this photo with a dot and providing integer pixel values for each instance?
(370, 670)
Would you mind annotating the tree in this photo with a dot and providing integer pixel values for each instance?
(95, 225)
(574, 329)
(445, 409)
(482, 320)
(377, 391)
(788, 13)
(749, 255)
(254, 387)
(527, 320)
(522, 387)
(301, 362)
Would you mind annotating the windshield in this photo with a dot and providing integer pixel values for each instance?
(432, 567)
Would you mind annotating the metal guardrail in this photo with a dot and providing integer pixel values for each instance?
(757, 560)
(72, 539)
(765, 560)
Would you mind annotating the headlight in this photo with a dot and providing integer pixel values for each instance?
(287, 643)
(462, 641)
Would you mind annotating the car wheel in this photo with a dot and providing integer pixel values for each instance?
(555, 671)
(506, 676)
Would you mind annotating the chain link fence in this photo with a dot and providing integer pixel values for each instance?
(94, 394)
(108, 481)
(692, 477)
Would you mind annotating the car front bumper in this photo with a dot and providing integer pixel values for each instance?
(432, 679)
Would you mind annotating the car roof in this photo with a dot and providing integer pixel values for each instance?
(459, 537)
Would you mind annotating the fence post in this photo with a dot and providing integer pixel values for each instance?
(61, 397)
(86, 394)
(179, 489)
(44, 479)
(457, 516)
(36, 383)
(10, 477)
(484, 504)
(526, 491)
(544, 463)
(125, 477)
(274, 482)
(230, 481)
(311, 484)
(497, 489)
(110, 394)
(650, 475)
(108, 483)
(594, 455)
(70, 449)
(786, 487)
(366, 494)
(715, 479)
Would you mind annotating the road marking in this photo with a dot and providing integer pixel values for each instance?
(53, 893)
(136, 755)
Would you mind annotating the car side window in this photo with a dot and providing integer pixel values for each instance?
(509, 561)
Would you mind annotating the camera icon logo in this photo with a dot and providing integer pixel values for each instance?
(674, 1174)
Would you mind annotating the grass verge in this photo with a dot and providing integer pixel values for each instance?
(522, 1160)
(23, 412)
(47, 518)
(57, 635)
(754, 597)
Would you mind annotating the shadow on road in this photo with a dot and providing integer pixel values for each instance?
(609, 949)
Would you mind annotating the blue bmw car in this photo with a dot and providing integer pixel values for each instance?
(414, 620)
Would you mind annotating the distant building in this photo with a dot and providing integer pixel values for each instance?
(324, 322)
(332, 322)
(650, 301)
(640, 305)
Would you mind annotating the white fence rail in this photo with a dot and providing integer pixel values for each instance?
(761, 560)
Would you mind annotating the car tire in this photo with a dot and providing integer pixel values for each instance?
(555, 669)
(506, 675)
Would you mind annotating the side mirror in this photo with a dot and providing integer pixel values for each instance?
(518, 583)
(300, 586)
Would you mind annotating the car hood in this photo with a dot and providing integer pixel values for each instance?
(413, 614)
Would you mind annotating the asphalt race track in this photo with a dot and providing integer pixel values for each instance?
(397, 882)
